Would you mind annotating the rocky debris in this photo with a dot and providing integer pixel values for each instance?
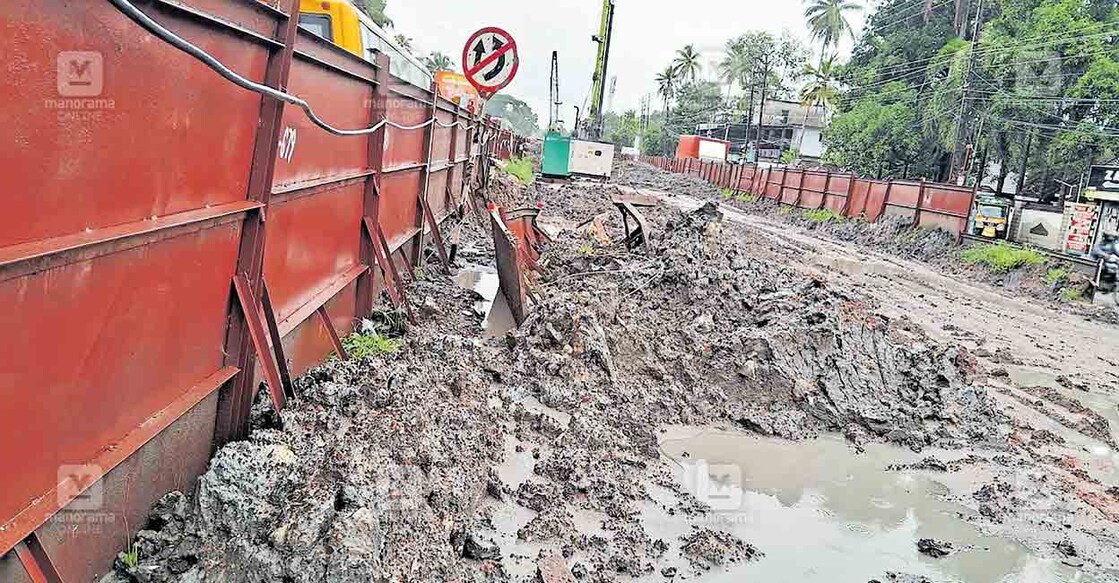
(551, 568)
(901, 578)
(934, 548)
(707, 548)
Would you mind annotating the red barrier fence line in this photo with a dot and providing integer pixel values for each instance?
(950, 205)
(117, 267)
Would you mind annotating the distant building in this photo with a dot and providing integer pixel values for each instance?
(786, 125)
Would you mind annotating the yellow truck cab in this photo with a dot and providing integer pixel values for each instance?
(343, 24)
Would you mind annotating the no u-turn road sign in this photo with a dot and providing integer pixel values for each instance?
(490, 60)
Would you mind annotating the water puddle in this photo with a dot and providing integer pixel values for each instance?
(491, 304)
(1106, 405)
(822, 513)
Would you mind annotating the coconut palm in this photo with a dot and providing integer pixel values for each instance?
(827, 20)
(404, 42)
(666, 85)
(736, 64)
(819, 91)
(438, 62)
(687, 64)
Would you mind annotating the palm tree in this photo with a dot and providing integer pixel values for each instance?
(736, 63)
(827, 19)
(820, 91)
(438, 62)
(687, 63)
(666, 85)
(405, 42)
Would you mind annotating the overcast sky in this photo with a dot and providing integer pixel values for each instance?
(646, 34)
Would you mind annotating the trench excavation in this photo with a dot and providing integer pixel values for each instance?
(673, 412)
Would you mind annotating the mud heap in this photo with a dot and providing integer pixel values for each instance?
(397, 466)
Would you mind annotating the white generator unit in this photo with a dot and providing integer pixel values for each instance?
(591, 159)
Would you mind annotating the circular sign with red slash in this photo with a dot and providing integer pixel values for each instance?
(490, 60)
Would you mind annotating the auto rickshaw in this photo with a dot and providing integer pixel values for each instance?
(992, 217)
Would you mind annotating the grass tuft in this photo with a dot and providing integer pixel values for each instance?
(520, 168)
(362, 345)
(586, 250)
(726, 192)
(1001, 257)
(1055, 276)
(822, 216)
(746, 197)
(1071, 294)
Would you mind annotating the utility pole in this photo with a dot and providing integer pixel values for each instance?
(761, 106)
(959, 160)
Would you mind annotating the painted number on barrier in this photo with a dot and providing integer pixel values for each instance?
(286, 149)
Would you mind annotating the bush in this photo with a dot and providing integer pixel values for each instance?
(1001, 257)
(520, 168)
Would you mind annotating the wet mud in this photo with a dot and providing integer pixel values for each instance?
(477, 452)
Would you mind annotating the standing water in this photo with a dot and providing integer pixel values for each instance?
(491, 304)
(822, 513)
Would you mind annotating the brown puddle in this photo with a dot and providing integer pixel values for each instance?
(822, 513)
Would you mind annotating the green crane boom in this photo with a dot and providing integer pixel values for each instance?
(598, 87)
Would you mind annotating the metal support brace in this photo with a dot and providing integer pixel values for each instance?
(436, 235)
(395, 286)
(34, 558)
(277, 339)
(324, 317)
(251, 312)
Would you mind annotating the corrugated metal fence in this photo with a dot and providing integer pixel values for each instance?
(159, 224)
(929, 204)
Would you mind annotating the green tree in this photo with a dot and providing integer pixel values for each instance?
(438, 62)
(827, 20)
(376, 10)
(687, 64)
(620, 130)
(520, 116)
(875, 137)
(667, 82)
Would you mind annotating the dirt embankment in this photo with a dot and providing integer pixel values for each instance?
(407, 466)
(1054, 282)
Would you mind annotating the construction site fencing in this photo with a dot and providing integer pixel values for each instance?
(168, 240)
(929, 205)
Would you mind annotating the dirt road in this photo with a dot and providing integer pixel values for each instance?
(737, 400)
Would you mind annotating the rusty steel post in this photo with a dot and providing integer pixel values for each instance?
(371, 197)
(920, 202)
(827, 192)
(429, 139)
(236, 397)
(850, 194)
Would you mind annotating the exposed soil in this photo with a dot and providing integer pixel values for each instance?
(535, 454)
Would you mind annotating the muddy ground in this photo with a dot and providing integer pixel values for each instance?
(545, 453)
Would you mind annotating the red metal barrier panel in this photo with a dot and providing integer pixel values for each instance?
(904, 195)
(875, 204)
(118, 238)
(68, 149)
(812, 196)
(791, 181)
(945, 207)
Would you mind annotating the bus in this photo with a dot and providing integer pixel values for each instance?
(341, 23)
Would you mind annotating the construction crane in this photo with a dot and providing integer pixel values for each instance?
(598, 87)
(554, 123)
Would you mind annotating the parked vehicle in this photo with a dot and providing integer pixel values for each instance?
(343, 24)
(992, 217)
